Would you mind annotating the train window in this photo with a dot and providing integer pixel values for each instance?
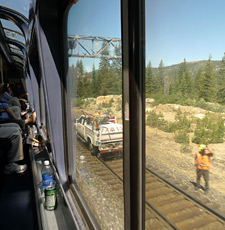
(10, 25)
(12, 31)
(16, 50)
(14, 35)
(95, 84)
(17, 59)
(22, 8)
(184, 105)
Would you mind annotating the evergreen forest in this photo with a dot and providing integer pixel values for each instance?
(200, 84)
(186, 83)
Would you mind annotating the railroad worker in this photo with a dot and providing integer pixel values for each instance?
(11, 132)
(202, 164)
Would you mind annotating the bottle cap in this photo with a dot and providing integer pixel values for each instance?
(46, 162)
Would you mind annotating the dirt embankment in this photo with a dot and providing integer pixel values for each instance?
(165, 154)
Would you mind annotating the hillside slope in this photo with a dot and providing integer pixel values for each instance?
(165, 154)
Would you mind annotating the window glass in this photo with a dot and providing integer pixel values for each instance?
(185, 82)
(14, 35)
(21, 6)
(17, 59)
(14, 49)
(12, 30)
(95, 84)
(10, 25)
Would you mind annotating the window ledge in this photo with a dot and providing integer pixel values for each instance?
(61, 217)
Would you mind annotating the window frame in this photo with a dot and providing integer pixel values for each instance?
(133, 43)
(133, 69)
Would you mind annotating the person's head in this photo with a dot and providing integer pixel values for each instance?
(6, 88)
(202, 148)
(18, 85)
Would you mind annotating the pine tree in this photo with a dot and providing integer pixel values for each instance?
(166, 85)
(95, 83)
(80, 68)
(221, 82)
(151, 86)
(173, 84)
(160, 76)
(117, 68)
(199, 81)
(184, 82)
(83, 82)
(209, 130)
(84, 86)
(117, 63)
(104, 61)
(72, 81)
(109, 76)
(208, 86)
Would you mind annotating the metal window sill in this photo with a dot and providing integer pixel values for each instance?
(61, 217)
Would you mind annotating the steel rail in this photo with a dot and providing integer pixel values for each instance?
(211, 210)
(150, 205)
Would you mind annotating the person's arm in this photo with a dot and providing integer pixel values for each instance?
(196, 163)
(11, 114)
(7, 96)
(21, 99)
(210, 152)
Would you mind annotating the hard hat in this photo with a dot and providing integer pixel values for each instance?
(201, 147)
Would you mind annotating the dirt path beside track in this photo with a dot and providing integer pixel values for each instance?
(164, 153)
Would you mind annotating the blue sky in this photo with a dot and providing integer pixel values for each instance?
(94, 18)
(21, 6)
(175, 29)
(190, 29)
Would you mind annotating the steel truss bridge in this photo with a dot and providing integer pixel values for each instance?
(94, 47)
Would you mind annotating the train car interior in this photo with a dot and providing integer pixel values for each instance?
(36, 48)
(83, 141)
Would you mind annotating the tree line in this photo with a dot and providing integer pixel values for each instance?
(106, 80)
(207, 84)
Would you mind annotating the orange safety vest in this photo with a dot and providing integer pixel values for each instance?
(202, 161)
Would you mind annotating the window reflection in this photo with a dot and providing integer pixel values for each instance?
(17, 59)
(14, 49)
(22, 7)
(10, 25)
(95, 84)
(14, 35)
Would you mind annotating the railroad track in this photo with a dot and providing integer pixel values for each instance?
(167, 205)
